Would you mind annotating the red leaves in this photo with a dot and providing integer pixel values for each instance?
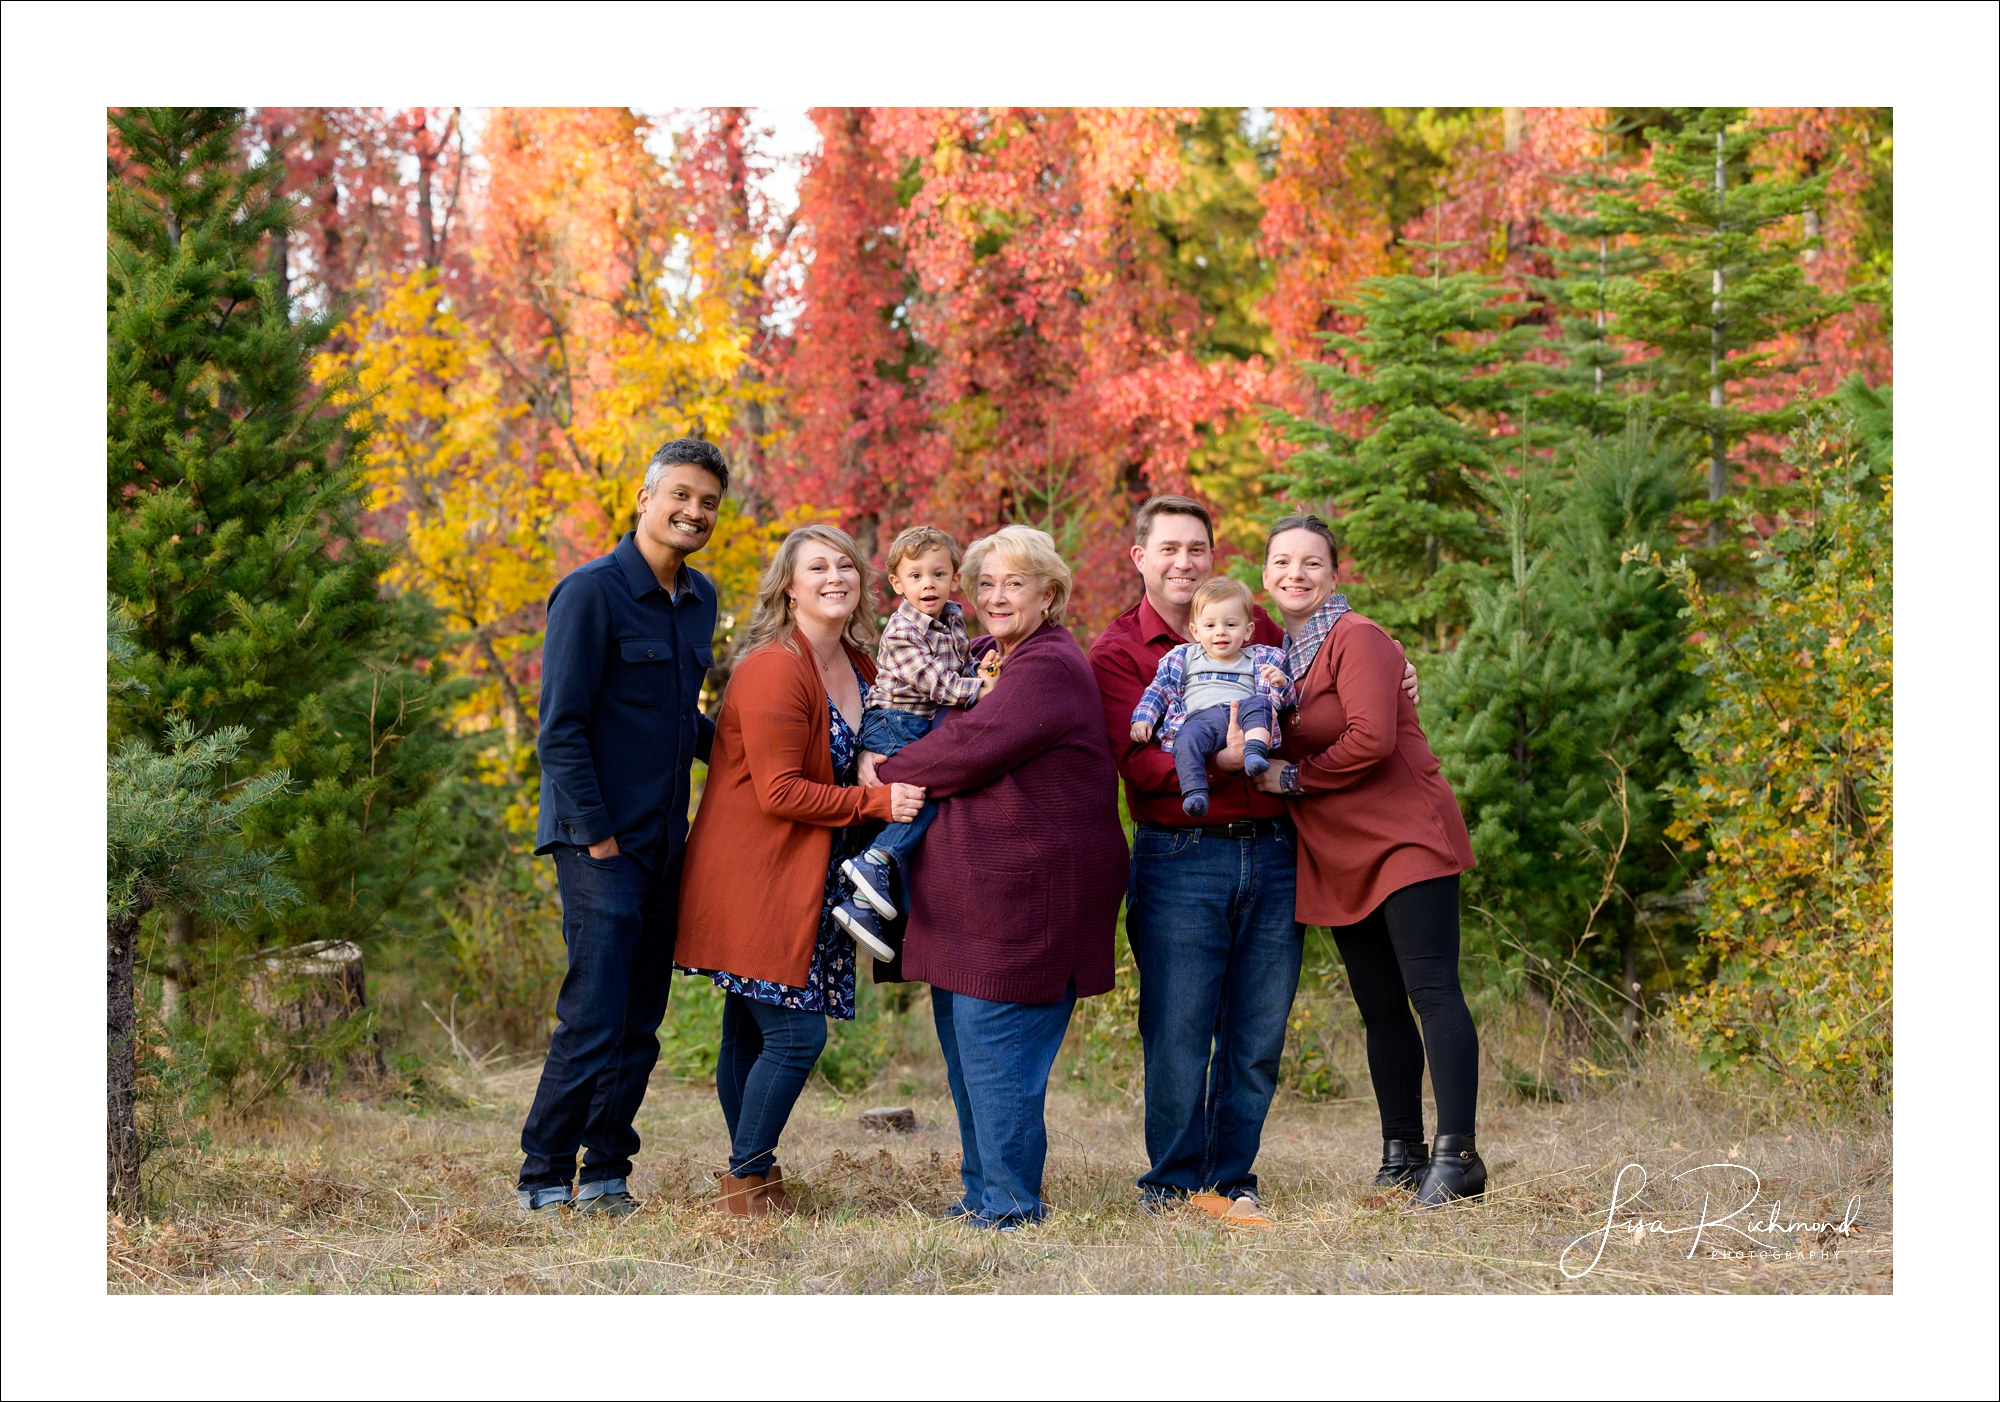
(989, 333)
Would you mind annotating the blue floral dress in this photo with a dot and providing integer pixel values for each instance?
(829, 986)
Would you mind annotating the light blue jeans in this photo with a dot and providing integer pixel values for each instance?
(998, 1057)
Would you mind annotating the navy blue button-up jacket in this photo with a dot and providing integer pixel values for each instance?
(621, 723)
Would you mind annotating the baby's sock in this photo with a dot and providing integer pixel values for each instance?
(1195, 805)
(1256, 757)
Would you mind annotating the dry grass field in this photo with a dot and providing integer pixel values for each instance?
(397, 1196)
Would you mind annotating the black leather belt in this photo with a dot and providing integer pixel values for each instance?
(1240, 831)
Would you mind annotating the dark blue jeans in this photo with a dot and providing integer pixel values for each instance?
(767, 1054)
(1207, 731)
(1210, 921)
(885, 732)
(997, 1057)
(619, 922)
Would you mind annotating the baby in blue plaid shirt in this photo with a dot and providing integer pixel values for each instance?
(923, 667)
(1188, 703)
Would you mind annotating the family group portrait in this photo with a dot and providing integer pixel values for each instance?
(998, 701)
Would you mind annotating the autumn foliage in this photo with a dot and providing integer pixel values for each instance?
(1791, 791)
(974, 316)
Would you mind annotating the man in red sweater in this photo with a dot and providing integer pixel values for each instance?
(1209, 911)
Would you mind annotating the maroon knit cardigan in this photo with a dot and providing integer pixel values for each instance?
(1014, 891)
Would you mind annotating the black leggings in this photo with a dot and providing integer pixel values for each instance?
(1404, 952)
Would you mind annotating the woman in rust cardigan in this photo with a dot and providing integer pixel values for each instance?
(1014, 893)
(779, 814)
(1381, 844)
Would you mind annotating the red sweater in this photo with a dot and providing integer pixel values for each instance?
(1124, 657)
(1375, 814)
(1015, 889)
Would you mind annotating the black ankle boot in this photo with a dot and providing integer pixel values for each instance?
(1456, 1171)
(1403, 1163)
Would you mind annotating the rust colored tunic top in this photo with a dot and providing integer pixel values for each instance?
(757, 854)
(1374, 813)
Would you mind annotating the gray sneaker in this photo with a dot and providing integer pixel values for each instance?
(612, 1197)
(619, 1204)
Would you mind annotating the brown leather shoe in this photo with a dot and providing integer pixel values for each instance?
(774, 1191)
(742, 1197)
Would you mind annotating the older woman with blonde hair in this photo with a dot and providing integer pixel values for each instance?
(780, 812)
(1014, 893)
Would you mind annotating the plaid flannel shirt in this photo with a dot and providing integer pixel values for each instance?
(923, 663)
(1300, 651)
(1164, 705)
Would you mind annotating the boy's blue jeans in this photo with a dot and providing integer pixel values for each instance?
(886, 732)
(1207, 731)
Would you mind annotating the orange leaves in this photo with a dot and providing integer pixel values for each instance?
(990, 333)
(602, 311)
(1323, 227)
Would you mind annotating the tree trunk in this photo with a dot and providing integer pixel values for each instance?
(1629, 986)
(307, 991)
(176, 974)
(1513, 126)
(1718, 463)
(121, 1028)
(514, 722)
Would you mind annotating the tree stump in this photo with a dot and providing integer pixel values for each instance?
(899, 1118)
(307, 992)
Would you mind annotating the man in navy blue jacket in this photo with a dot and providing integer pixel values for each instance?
(630, 639)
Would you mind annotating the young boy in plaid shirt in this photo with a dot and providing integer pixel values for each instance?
(924, 665)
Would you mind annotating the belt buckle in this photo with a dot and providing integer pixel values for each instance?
(1242, 829)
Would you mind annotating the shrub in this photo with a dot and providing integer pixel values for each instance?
(1790, 790)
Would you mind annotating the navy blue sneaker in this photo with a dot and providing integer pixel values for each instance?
(871, 884)
(866, 930)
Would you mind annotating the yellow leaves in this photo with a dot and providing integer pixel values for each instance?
(1790, 791)
(674, 370)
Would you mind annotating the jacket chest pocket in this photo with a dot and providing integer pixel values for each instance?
(645, 673)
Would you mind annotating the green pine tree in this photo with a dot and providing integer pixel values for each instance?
(1555, 718)
(1722, 279)
(235, 492)
(1585, 392)
(172, 840)
(1435, 370)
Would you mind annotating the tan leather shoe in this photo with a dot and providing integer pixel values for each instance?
(1246, 1211)
(742, 1197)
(774, 1191)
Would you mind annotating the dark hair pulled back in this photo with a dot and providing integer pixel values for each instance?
(1305, 522)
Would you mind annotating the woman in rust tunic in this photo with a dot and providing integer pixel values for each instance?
(780, 812)
(1381, 844)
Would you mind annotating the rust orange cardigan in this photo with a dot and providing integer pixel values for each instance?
(1375, 814)
(757, 853)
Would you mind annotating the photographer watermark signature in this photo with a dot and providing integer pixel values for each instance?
(1725, 1234)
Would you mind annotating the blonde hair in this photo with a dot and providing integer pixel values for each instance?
(773, 621)
(916, 541)
(1028, 550)
(1219, 589)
